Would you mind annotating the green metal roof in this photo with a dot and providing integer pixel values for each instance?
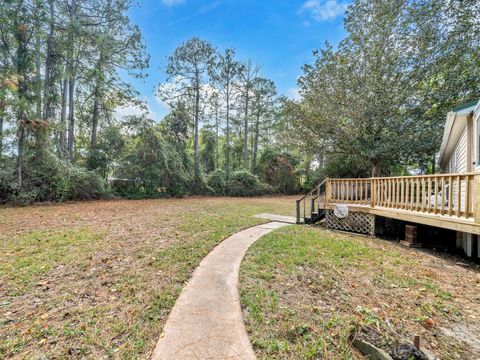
(465, 106)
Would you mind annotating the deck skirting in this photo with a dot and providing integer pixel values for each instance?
(359, 222)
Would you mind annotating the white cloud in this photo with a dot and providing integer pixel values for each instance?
(322, 10)
(293, 93)
(172, 2)
(134, 110)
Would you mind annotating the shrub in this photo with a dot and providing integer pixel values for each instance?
(277, 169)
(59, 180)
(244, 183)
(8, 185)
(217, 181)
(83, 185)
(158, 167)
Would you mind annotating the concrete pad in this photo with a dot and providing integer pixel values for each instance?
(206, 321)
(278, 218)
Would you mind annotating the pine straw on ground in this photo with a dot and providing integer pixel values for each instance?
(97, 279)
(306, 290)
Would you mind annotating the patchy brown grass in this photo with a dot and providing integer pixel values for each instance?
(305, 290)
(97, 279)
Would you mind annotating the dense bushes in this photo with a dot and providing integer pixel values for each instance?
(150, 164)
(50, 180)
(240, 183)
(217, 182)
(158, 167)
(277, 169)
(243, 183)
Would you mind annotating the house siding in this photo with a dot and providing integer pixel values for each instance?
(458, 164)
(458, 160)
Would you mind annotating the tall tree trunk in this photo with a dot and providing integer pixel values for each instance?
(38, 64)
(377, 168)
(216, 139)
(96, 111)
(21, 138)
(96, 100)
(71, 83)
(21, 37)
(71, 116)
(255, 143)
(245, 130)
(227, 135)
(2, 114)
(196, 170)
(50, 63)
(41, 130)
(63, 118)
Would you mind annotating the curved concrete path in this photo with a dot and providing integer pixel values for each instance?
(206, 321)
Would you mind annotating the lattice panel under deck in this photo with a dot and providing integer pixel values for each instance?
(355, 221)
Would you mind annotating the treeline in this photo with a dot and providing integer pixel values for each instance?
(229, 117)
(377, 104)
(63, 65)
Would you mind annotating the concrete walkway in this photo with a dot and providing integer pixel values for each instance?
(279, 218)
(206, 321)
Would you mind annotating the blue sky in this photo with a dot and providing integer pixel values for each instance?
(280, 35)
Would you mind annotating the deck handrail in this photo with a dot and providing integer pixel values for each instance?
(303, 199)
(455, 194)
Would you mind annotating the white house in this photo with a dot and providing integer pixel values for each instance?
(460, 153)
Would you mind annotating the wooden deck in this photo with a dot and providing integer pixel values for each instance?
(450, 201)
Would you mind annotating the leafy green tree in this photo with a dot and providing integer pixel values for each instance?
(187, 73)
(248, 73)
(176, 124)
(225, 73)
(156, 165)
(207, 153)
(264, 91)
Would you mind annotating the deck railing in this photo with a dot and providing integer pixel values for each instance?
(310, 202)
(445, 194)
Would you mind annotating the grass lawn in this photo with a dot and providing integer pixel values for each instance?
(305, 290)
(97, 279)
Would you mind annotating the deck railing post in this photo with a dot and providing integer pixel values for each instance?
(328, 191)
(476, 198)
(372, 192)
(298, 212)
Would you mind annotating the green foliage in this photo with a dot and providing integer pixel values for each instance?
(8, 185)
(59, 180)
(244, 183)
(346, 166)
(207, 151)
(277, 169)
(176, 124)
(217, 181)
(110, 146)
(52, 180)
(160, 167)
(381, 96)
